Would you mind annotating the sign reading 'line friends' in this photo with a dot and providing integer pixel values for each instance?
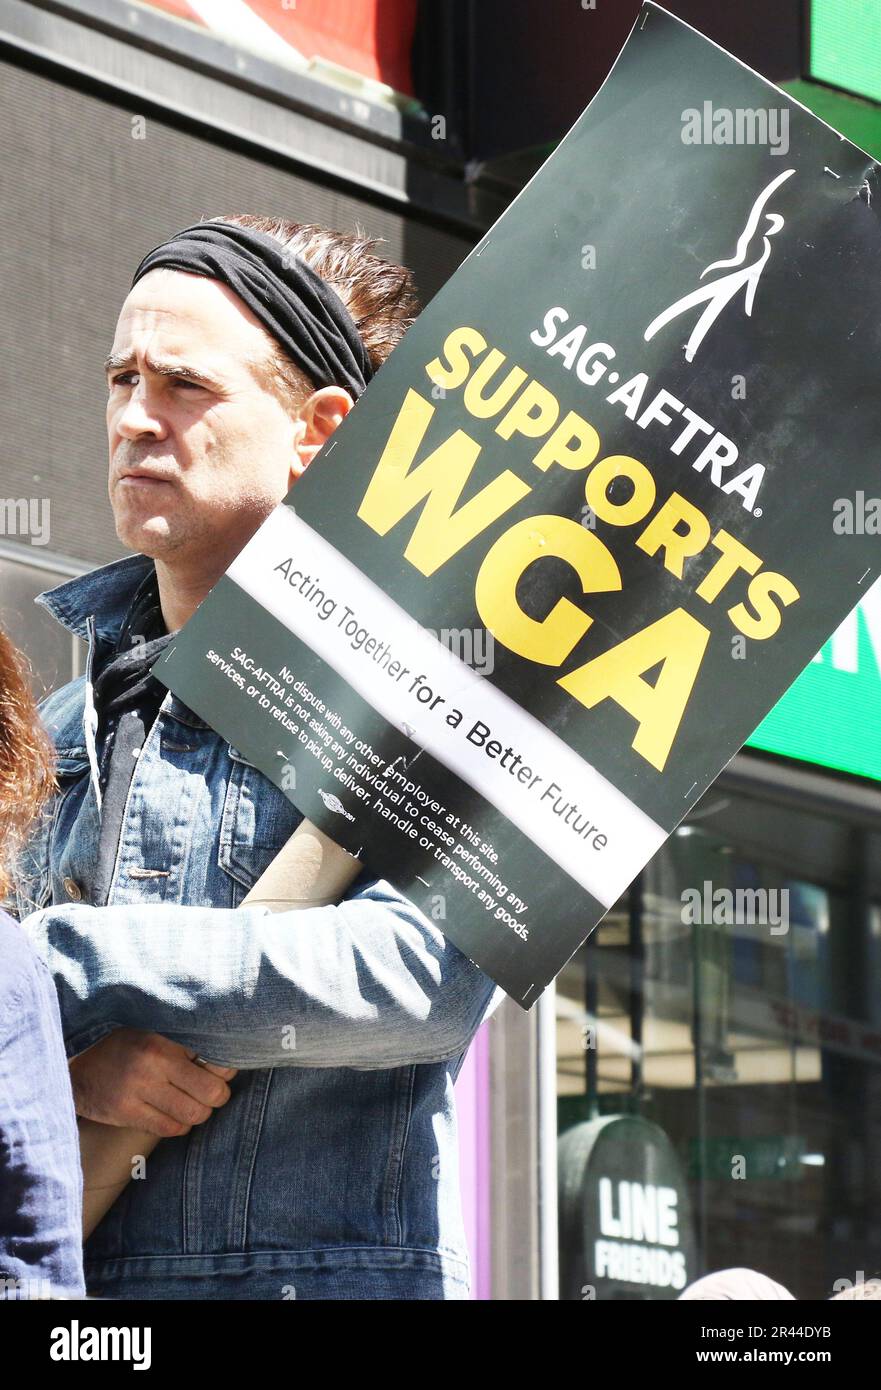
(577, 537)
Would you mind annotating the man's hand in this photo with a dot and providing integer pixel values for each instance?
(143, 1081)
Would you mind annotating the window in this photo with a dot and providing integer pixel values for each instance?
(55, 655)
(730, 1001)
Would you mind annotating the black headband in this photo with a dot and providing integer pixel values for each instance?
(298, 308)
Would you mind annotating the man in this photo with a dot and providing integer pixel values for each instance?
(322, 1161)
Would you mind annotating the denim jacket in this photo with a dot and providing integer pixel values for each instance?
(41, 1218)
(332, 1171)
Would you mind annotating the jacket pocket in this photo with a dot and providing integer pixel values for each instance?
(257, 820)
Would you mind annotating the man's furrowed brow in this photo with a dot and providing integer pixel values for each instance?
(161, 366)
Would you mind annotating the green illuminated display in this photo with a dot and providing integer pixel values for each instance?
(846, 45)
(832, 714)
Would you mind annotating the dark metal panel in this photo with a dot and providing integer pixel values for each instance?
(196, 47)
(278, 123)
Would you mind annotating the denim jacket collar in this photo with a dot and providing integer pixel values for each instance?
(94, 607)
(104, 594)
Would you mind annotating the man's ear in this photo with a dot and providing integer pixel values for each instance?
(316, 421)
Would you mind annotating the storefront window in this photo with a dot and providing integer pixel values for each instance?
(730, 1002)
(55, 655)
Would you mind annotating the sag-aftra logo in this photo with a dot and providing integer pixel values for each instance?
(743, 274)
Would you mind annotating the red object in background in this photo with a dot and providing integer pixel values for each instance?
(370, 37)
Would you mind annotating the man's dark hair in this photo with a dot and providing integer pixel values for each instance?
(380, 295)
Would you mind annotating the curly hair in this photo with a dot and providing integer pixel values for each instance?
(27, 777)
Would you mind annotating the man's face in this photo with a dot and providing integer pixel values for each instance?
(200, 450)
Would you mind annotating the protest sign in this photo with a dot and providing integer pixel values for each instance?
(576, 538)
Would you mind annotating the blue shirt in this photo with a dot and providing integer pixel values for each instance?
(332, 1172)
(40, 1174)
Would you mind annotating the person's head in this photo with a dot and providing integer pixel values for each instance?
(737, 1284)
(26, 759)
(209, 423)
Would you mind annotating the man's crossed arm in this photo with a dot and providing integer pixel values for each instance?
(370, 983)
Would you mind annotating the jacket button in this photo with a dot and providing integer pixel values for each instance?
(72, 889)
